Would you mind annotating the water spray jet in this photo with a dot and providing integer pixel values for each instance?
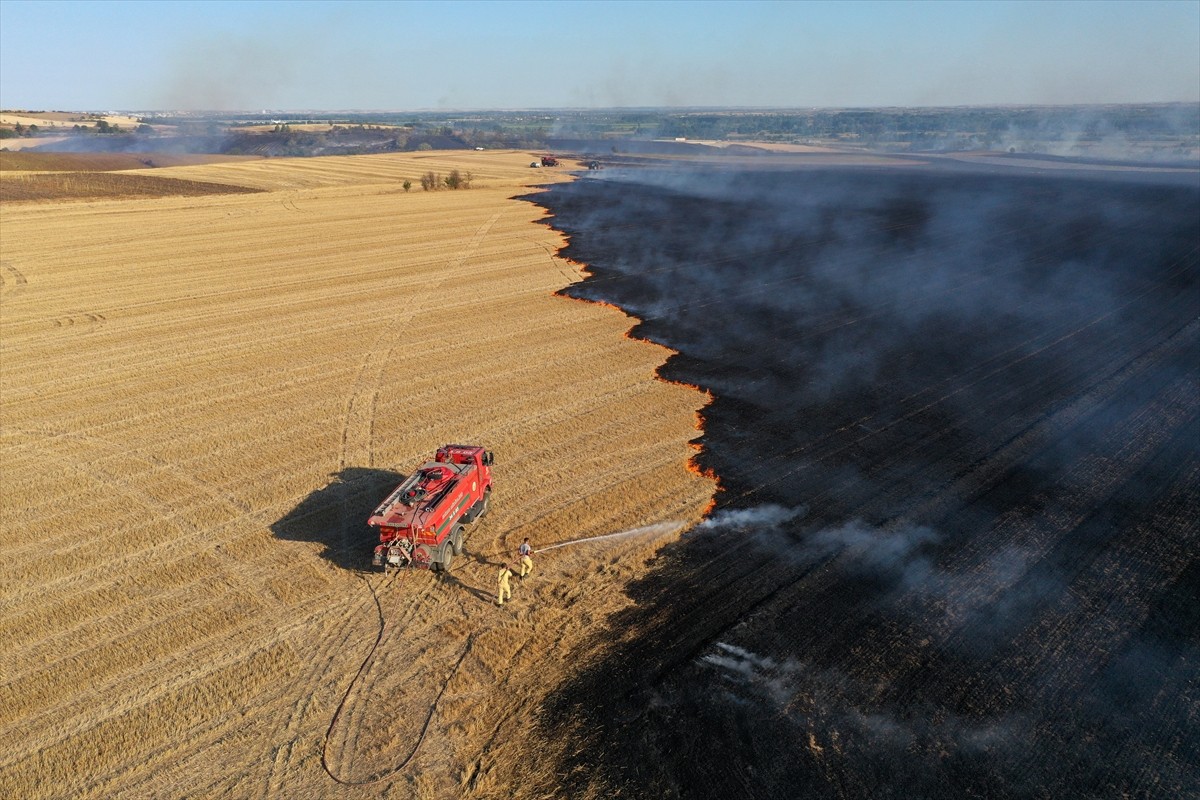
(660, 527)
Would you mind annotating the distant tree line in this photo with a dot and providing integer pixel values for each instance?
(19, 130)
(101, 127)
(878, 128)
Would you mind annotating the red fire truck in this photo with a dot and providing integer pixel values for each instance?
(421, 522)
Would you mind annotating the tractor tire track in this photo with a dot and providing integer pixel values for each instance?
(322, 662)
(155, 506)
(212, 652)
(358, 436)
(212, 733)
(358, 429)
(12, 281)
(388, 772)
(358, 696)
(79, 322)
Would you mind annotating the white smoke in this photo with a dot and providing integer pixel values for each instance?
(898, 552)
(759, 518)
(762, 672)
(894, 551)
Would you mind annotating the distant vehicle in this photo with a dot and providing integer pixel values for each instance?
(534, 164)
(549, 161)
(593, 165)
(421, 522)
(478, 148)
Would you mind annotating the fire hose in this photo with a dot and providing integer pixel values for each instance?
(658, 528)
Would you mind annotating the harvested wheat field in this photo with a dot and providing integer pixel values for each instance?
(204, 397)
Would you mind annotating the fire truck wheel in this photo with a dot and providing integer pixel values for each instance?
(456, 539)
(447, 556)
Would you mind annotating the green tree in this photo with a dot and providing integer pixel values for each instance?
(407, 184)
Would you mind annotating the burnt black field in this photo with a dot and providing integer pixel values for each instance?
(956, 423)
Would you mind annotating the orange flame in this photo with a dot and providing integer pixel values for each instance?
(704, 472)
(600, 303)
(708, 398)
(583, 269)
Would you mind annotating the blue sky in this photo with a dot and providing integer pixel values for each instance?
(462, 55)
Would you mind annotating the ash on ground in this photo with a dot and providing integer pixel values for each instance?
(955, 550)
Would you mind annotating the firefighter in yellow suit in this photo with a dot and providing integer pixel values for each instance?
(525, 551)
(504, 592)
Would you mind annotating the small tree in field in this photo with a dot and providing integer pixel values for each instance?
(407, 184)
(456, 180)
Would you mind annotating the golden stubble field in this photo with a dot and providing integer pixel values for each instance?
(199, 396)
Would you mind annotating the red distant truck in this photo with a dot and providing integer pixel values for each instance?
(421, 522)
(549, 161)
